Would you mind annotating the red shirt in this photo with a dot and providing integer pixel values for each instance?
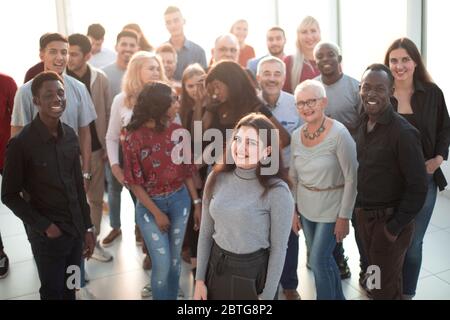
(246, 54)
(8, 90)
(148, 162)
(309, 71)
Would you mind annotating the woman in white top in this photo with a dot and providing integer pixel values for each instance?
(323, 170)
(144, 67)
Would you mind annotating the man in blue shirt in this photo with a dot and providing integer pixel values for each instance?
(188, 52)
(275, 39)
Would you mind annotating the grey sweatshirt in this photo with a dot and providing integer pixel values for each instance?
(239, 220)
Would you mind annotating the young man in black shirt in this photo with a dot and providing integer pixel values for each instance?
(392, 181)
(43, 166)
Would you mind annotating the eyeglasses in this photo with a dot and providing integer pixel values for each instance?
(311, 103)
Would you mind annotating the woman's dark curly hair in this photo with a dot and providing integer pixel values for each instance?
(152, 104)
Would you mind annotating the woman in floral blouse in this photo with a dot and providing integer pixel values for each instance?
(161, 184)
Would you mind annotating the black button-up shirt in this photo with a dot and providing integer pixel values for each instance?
(433, 122)
(391, 170)
(48, 170)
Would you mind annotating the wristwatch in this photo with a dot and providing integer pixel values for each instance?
(87, 176)
(197, 201)
(91, 229)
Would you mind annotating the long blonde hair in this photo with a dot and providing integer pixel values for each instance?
(299, 58)
(132, 83)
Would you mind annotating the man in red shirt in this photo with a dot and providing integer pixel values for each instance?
(8, 90)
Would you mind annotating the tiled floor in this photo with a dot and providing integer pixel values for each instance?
(124, 277)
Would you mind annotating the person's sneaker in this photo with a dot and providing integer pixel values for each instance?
(84, 294)
(147, 263)
(344, 269)
(138, 235)
(86, 277)
(100, 254)
(146, 291)
(291, 294)
(113, 235)
(4, 266)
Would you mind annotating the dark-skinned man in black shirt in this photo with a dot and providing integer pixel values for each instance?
(392, 181)
(43, 165)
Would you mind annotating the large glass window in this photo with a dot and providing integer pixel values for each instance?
(205, 20)
(438, 45)
(291, 13)
(368, 28)
(22, 23)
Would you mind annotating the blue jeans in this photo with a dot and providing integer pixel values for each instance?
(289, 278)
(114, 191)
(413, 258)
(321, 241)
(165, 248)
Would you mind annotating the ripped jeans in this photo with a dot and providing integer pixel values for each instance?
(165, 248)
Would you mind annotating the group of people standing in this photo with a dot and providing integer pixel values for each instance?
(305, 147)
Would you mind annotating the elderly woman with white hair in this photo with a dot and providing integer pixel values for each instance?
(323, 170)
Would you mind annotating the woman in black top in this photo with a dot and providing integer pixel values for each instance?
(233, 96)
(422, 103)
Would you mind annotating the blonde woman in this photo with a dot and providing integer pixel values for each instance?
(302, 66)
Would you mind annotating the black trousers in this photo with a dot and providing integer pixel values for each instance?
(381, 252)
(233, 276)
(53, 258)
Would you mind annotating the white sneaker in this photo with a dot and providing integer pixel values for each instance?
(100, 254)
(85, 294)
(86, 277)
(146, 291)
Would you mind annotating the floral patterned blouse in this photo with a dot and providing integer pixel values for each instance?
(148, 161)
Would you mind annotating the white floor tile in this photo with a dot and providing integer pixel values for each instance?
(432, 288)
(441, 216)
(435, 252)
(22, 280)
(444, 276)
(17, 248)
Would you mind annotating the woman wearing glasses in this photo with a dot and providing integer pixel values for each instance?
(161, 184)
(323, 170)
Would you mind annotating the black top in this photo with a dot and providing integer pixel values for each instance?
(433, 122)
(49, 171)
(86, 79)
(411, 118)
(391, 170)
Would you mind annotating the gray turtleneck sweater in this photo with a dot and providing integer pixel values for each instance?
(239, 220)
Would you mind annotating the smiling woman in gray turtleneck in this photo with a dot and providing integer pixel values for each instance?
(246, 220)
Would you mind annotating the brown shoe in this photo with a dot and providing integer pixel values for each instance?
(291, 294)
(113, 235)
(147, 264)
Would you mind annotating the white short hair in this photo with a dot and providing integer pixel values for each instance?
(315, 85)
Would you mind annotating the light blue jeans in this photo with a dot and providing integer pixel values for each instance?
(413, 258)
(114, 191)
(321, 241)
(165, 248)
